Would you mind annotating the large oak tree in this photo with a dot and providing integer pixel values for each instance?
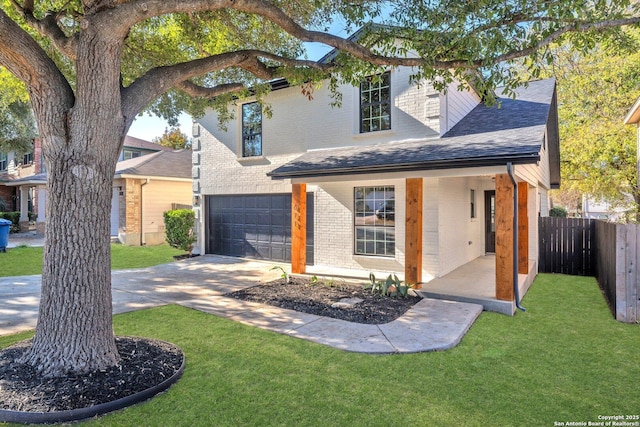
(90, 66)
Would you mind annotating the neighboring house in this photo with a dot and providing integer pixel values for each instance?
(595, 209)
(633, 118)
(25, 197)
(145, 186)
(135, 147)
(399, 179)
(143, 189)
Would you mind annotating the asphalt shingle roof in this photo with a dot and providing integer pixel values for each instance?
(169, 164)
(511, 131)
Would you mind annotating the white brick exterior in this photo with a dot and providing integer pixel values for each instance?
(450, 237)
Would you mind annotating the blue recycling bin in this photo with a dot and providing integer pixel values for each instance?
(5, 226)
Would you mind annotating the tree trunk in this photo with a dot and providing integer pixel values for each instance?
(74, 333)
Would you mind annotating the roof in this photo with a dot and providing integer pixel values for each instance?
(165, 164)
(633, 116)
(31, 180)
(131, 142)
(162, 164)
(512, 131)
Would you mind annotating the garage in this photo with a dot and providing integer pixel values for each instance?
(254, 226)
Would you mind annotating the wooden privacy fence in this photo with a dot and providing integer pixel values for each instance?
(587, 247)
(617, 268)
(566, 245)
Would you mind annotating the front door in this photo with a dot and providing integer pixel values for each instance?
(490, 221)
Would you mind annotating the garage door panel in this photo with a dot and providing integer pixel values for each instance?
(256, 226)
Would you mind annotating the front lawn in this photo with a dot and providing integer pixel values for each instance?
(565, 359)
(27, 260)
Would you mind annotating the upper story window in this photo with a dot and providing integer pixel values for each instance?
(130, 154)
(375, 103)
(374, 221)
(27, 159)
(3, 161)
(251, 130)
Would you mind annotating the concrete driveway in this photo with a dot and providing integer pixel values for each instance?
(197, 279)
(199, 282)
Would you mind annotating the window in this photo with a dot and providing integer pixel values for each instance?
(473, 203)
(374, 221)
(251, 130)
(27, 159)
(3, 162)
(131, 154)
(375, 103)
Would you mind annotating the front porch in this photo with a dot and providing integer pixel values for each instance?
(475, 282)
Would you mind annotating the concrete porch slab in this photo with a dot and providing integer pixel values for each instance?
(475, 283)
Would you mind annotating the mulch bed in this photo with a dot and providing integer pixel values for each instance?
(145, 363)
(317, 298)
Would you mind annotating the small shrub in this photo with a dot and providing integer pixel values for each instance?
(284, 274)
(179, 225)
(558, 212)
(392, 287)
(14, 217)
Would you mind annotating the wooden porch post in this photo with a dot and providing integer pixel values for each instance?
(413, 232)
(504, 238)
(523, 228)
(299, 228)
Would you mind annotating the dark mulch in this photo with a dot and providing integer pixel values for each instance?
(145, 363)
(184, 256)
(316, 298)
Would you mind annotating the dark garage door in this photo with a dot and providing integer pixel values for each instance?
(254, 226)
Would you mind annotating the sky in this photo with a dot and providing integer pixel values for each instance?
(149, 127)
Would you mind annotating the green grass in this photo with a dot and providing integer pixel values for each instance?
(565, 359)
(27, 260)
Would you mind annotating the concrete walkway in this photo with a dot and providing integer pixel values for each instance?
(199, 283)
(30, 238)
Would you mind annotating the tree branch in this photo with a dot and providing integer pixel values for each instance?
(578, 28)
(205, 92)
(162, 79)
(48, 27)
(135, 11)
(24, 58)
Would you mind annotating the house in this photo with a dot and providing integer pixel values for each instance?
(598, 209)
(400, 179)
(143, 189)
(633, 118)
(135, 147)
(147, 184)
(26, 197)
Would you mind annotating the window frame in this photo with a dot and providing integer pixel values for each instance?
(245, 137)
(473, 204)
(128, 154)
(27, 159)
(383, 222)
(4, 161)
(385, 103)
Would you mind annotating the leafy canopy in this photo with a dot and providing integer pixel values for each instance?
(173, 138)
(445, 41)
(596, 89)
(17, 124)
